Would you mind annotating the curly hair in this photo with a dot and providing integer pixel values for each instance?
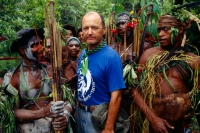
(70, 27)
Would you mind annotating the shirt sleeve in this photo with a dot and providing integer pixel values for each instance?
(115, 74)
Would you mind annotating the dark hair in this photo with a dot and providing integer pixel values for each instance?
(101, 16)
(23, 37)
(79, 30)
(70, 27)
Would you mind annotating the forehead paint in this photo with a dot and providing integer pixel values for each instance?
(123, 18)
(73, 42)
(33, 40)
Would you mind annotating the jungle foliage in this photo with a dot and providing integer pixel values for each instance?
(18, 14)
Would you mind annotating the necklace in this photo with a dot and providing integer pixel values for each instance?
(84, 60)
(24, 84)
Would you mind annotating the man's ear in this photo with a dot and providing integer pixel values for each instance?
(104, 30)
(21, 50)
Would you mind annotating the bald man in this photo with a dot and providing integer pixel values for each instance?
(99, 76)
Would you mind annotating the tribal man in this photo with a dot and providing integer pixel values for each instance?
(35, 111)
(125, 33)
(71, 63)
(169, 80)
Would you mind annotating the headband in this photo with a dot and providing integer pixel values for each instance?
(73, 40)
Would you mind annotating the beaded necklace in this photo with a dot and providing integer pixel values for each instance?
(84, 60)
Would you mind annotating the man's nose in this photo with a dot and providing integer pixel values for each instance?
(122, 26)
(89, 31)
(160, 33)
(40, 47)
(73, 46)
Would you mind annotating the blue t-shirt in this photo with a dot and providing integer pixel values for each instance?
(104, 75)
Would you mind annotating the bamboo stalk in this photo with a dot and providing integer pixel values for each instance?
(110, 35)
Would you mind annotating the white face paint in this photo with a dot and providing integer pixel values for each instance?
(73, 42)
(122, 19)
(28, 48)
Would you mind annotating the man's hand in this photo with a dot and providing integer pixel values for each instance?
(59, 123)
(62, 111)
(159, 125)
(54, 109)
(107, 131)
(57, 107)
(67, 111)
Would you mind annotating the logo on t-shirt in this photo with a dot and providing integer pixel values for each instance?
(86, 86)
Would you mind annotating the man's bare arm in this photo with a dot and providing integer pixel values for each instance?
(158, 124)
(113, 110)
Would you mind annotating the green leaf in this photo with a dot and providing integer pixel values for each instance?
(156, 9)
(119, 8)
(152, 28)
(174, 33)
(119, 1)
(156, 2)
(143, 17)
(142, 3)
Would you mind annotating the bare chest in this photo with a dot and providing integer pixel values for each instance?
(171, 80)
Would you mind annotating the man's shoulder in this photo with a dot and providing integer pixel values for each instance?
(148, 53)
(111, 53)
(197, 58)
(152, 50)
(192, 54)
(11, 77)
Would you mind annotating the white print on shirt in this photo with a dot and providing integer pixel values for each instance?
(86, 86)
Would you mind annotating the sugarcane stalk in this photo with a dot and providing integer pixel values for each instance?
(124, 58)
(56, 55)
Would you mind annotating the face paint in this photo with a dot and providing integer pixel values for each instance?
(122, 19)
(121, 26)
(28, 48)
(73, 42)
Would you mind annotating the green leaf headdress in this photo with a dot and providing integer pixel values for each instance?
(175, 20)
(177, 17)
